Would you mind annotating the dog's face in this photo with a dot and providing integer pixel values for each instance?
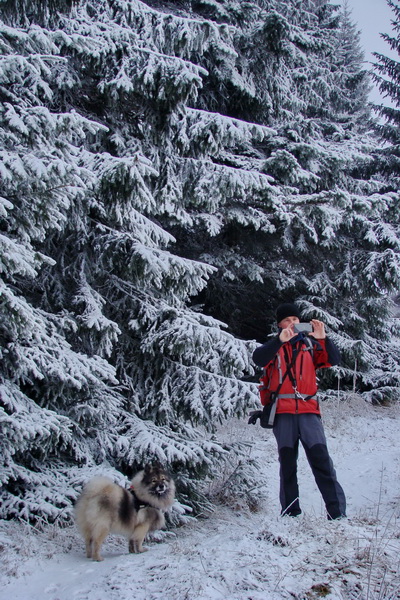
(156, 480)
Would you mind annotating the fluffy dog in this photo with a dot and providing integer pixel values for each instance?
(105, 507)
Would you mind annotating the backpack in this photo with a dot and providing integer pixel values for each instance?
(269, 397)
(264, 388)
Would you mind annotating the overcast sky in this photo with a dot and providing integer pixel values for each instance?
(372, 18)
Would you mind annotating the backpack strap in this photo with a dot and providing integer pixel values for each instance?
(290, 366)
(267, 414)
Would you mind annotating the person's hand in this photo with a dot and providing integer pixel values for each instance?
(318, 330)
(253, 416)
(287, 333)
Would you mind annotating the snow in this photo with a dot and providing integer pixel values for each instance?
(235, 554)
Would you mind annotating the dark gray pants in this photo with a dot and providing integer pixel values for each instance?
(307, 428)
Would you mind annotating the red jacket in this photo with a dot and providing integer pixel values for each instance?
(310, 356)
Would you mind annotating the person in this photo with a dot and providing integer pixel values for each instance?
(291, 360)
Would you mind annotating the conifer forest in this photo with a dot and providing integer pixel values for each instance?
(171, 171)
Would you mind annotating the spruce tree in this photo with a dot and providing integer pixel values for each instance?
(168, 168)
(354, 82)
(387, 77)
(104, 364)
(311, 221)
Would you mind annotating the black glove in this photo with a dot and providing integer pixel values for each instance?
(254, 415)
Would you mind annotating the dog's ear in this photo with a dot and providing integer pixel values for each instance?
(153, 466)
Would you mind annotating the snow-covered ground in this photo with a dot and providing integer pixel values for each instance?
(238, 555)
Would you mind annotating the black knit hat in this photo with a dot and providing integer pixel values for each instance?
(287, 310)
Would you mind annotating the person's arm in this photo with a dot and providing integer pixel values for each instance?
(330, 354)
(265, 353)
(333, 352)
(326, 353)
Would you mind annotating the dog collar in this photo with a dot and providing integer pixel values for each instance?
(137, 502)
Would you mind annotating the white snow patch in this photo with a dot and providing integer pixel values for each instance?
(238, 555)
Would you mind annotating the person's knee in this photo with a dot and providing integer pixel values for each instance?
(318, 456)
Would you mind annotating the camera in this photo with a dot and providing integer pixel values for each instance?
(302, 328)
